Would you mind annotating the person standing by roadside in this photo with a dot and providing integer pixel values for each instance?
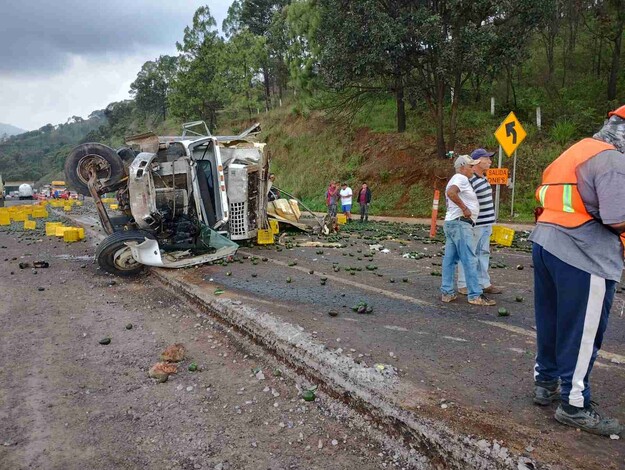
(332, 198)
(578, 259)
(273, 192)
(484, 224)
(364, 198)
(462, 212)
(346, 201)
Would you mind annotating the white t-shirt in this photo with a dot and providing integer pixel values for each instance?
(467, 195)
(346, 196)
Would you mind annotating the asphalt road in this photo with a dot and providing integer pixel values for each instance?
(463, 365)
(466, 357)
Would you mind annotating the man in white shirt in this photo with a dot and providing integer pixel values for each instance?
(346, 201)
(462, 212)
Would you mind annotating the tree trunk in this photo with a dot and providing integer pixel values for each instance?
(453, 119)
(401, 105)
(267, 86)
(441, 148)
(616, 61)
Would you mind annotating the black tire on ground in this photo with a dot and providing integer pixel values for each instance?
(114, 256)
(76, 171)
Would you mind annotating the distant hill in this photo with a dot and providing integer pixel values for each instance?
(34, 154)
(7, 130)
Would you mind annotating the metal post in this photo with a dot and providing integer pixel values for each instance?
(513, 185)
(539, 118)
(497, 187)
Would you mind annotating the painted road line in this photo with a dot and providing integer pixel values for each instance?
(612, 357)
(387, 293)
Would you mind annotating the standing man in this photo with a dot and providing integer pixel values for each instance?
(462, 212)
(273, 193)
(332, 198)
(578, 259)
(484, 224)
(346, 201)
(364, 198)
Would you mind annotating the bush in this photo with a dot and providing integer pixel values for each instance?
(563, 132)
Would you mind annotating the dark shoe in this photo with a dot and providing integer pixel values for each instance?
(546, 392)
(587, 419)
(483, 301)
(448, 297)
(492, 290)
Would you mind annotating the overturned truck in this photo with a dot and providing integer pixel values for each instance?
(182, 200)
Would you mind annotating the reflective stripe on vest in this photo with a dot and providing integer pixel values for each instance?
(558, 193)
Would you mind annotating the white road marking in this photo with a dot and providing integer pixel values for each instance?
(453, 338)
(530, 334)
(395, 328)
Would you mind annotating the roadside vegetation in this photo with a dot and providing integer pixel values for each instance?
(374, 91)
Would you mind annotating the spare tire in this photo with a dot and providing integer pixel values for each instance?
(110, 167)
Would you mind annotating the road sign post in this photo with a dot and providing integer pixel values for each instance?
(509, 134)
(513, 185)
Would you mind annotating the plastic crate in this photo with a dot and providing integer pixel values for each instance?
(264, 237)
(275, 227)
(30, 225)
(51, 228)
(81, 233)
(5, 218)
(341, 219)
(502, 235)
(40, 214)
(70, 234)
(59, 230)
(113, 206)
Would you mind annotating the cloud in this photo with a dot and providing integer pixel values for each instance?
(70, 57)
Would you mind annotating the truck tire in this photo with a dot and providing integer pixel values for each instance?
(114, 256)
(111, 167)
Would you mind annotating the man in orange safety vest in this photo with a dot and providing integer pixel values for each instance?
(578, 260)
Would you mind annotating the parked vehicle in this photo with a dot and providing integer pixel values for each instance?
(25, 191)
(183, 199)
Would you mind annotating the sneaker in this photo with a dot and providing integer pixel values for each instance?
(463, 290)
(448, 297)
(482, 300)
(546, 392)
(587, 419)
(492, 290)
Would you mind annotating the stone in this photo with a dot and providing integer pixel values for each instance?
(161, 371)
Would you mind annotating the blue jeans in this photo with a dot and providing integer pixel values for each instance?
(459, 247)
(481, 244)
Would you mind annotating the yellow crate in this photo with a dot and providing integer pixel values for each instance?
(67, 207)
(502, 235)
(264, 237)
(30, 225)
(51, 228)
(59, 231)
(5, 218)
(40, 214)
(81, 233)
(341, 219)
(70, 234)
(19, 217)
(275, 227)
(114, 206)
(78, 203)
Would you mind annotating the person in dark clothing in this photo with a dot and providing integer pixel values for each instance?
(364, 198)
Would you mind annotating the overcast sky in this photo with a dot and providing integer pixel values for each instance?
(70, 57)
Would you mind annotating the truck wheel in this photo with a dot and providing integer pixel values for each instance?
(110, 167)
(115, 257)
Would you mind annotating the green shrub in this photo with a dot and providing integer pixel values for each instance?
(563, 131)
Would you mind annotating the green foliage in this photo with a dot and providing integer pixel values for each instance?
(563, 132)
(151, 87)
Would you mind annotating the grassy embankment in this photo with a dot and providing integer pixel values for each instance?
(308, 149)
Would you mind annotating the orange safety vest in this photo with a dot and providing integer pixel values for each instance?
(558, 194)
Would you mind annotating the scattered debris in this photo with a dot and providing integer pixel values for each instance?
(162, 370)
(105, 341)
(41, 264)
(173, 353)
